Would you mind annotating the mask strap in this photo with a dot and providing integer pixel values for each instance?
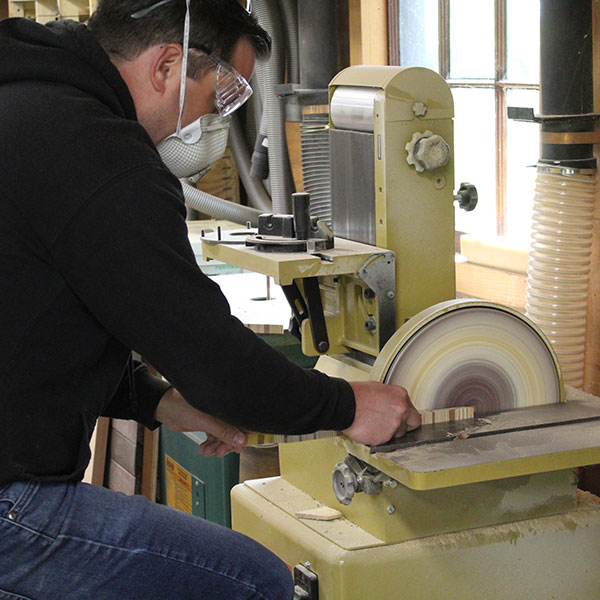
(184, 63)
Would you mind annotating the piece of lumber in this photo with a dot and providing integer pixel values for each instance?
(437, 415)
(497, 252)
(94, 474)
(444, 415)
(495, 285)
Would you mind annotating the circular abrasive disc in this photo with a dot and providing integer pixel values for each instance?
(471, 353)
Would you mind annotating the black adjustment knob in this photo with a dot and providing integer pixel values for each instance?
(467, 197)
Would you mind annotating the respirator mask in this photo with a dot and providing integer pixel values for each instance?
(189, 152)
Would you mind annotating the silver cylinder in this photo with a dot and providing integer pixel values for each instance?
(354, 108)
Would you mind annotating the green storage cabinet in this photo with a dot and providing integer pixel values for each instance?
(194, 483)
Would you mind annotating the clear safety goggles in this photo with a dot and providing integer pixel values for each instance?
(232, 89)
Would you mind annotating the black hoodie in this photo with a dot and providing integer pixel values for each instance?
(95, 262)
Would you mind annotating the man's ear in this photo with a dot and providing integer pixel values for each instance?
(166, 68)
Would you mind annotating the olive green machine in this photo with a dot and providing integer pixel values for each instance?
(486, 507)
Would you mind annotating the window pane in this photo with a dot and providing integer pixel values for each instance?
(472, 47)
(523, 41)
(419, 34)
(522, 151)
(475, 156)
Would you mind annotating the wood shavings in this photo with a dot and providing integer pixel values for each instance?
(323, 513)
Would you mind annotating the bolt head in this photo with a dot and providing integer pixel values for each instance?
(391, 509)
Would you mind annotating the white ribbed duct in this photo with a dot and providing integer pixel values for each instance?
(559, 262)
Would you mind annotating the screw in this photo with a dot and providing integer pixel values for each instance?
(391, 483)
(391, 295)
(12, 516)
(391, 510)
(323, 347)
(371, 325)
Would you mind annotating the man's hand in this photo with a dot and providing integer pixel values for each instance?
(382, 412)
(174, 412)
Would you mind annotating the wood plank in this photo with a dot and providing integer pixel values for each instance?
(95, 472)
(295, 150)
(150, 464)
(368, 32)
(497, 252)
(495, 285)
(592, 347)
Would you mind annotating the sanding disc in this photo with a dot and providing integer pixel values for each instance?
(471, 353)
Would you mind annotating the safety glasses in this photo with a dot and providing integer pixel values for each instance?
(232, 89)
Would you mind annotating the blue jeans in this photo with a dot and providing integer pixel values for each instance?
(72, 541)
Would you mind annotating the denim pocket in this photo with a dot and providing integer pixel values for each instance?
(15, 498)
(9, 596)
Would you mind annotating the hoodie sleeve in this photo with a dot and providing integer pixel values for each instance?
(126, 254)
(137, 396)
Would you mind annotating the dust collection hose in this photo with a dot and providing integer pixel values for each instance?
(217, 207)
(267, 13)
(559, 263)
(257, 195)
(289, 11)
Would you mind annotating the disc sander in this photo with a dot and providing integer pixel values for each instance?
(471, 353)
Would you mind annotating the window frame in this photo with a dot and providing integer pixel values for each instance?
(500, 83)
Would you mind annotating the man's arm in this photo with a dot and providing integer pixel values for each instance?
(178, 415)
(127, 256)
(382, 411)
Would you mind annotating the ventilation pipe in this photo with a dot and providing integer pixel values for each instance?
(559, 263)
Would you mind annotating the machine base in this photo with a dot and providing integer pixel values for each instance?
(537, 559)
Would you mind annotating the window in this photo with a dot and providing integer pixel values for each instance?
(488, 52)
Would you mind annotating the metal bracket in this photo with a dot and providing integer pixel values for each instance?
(379, 273)
(311, 309)
(528, 115)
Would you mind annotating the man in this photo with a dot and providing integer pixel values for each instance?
(94, 263)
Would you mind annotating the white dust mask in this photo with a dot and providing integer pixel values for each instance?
(196, 146)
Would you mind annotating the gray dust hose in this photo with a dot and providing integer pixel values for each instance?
(289, 10)
(217, 207)
(268, 16)
(257, 194)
